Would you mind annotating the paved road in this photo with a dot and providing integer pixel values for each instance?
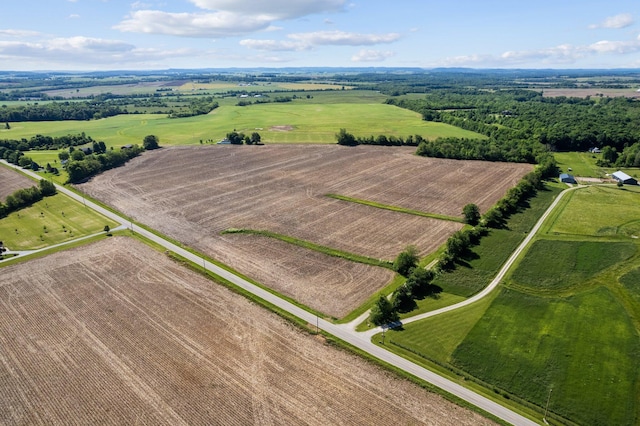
(358, 340)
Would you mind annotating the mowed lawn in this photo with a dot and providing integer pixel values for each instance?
(53, 220)
(599, 211)
(276, 123)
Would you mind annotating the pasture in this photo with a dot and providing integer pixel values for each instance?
(583, 164)
(276, 123)
(193, 194)
(50, 221)
(564, 320)
(117, 333)
(597, 211)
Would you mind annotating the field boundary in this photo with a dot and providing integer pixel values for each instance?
(315, 247)
(395, 208)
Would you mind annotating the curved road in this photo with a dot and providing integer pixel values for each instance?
(361, 341)
(498, 278)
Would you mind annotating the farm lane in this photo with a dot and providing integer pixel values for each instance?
(358, 340)
(494, 283)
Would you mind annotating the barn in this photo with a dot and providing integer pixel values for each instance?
(567, 178)
(624, 178)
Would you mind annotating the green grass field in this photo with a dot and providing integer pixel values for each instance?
(584, 164)
(585, 347)
(561, 265)
(567, 319)
(598, 211)
(276, 123)
(53, 220)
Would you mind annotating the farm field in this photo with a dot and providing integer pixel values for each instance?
(276, 122)
(12, 181)
(614, 213)
(566, 319)
(193, 194)
(630, 92)
(117, 333)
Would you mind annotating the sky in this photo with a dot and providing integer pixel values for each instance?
(88, 35)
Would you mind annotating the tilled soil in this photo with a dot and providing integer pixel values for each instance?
(194, 193)
(117, 333)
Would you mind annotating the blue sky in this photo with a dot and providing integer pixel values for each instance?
(149, 34)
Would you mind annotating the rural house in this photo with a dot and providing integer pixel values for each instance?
(567, 178)
(624, 178)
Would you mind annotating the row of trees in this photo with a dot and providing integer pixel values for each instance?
(238, 138)
(419, 283)
(59, 111)
(347, 139)
(81, 167)
(42, 142)
(25, 197)
(198, 106)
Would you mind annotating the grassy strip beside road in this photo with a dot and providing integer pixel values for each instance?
(315, 247)
(395, 208)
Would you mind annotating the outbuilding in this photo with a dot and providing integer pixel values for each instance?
(567, 178)
(624, 178)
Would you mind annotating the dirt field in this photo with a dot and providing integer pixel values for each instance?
(583, 93)
(11, 181)
(194, 193)
(116, 333)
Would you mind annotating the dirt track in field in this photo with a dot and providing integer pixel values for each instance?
(11, 181)
(116, 333)
(194, 193)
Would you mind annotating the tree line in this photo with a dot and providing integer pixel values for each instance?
(347, 139)
(25, 197)
(419, 281)
(58, 111)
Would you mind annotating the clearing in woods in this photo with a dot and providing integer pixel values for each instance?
(117, 333)
(193, 194)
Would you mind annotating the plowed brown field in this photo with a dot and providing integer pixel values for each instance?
(11, 181)
(194, 193)
(117, 333)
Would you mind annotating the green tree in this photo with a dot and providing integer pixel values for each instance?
(406, 260)
(402, 300)
(383, 312)
(47, 188)
(255, 138)
(471, 214)
(419, 282)
(63, 155)
(235, 138)
(609, 154)
(151, 142)
(345, 138)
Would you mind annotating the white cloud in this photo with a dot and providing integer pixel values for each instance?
(344, 38)
(278, 9)
(560, 55)
(619, 21)
(275, 45)
(73, 16)
(218, 24)
(19, 33)
(222, 18)
(306, 41)
(372, 56)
